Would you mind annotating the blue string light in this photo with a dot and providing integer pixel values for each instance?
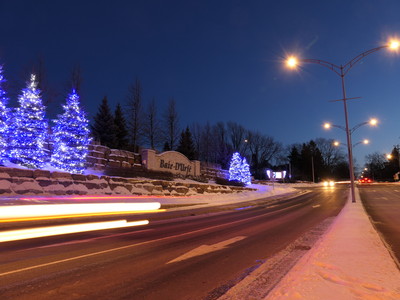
(239, 169)
(28, 129)
(4, 119)
(71, 137)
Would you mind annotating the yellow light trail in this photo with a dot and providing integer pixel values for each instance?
(22, 234)
(19, 213)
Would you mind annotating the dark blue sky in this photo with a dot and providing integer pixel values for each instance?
(220, 60)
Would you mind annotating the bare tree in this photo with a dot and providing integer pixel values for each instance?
(151, 126)
(196, 130)
(134, 117)
(222, 151)
(206, 144)
(262, 149)
(171, 125)
(76, 79)
(238, 137)
(331, 155)
(49, 94)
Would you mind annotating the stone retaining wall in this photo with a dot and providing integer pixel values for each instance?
(101, 156)
(43, 182)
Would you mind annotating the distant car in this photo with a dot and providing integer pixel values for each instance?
(329, 183)
(365, 180)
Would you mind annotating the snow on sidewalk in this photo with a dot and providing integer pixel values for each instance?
(349, 262)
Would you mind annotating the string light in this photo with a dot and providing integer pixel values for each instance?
(239, 169)
(4, 118)
(71, 137)
(28, 129)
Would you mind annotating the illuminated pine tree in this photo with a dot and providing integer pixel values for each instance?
(235, 167)
(71, 137)
(245, 175)
(28, 129)
(4, 119)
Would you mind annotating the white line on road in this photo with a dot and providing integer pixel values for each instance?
(204, 249)
(128, 246)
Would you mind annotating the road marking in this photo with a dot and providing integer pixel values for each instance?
(139, 244)
(128, 246)
(204, 249)
(315, 206)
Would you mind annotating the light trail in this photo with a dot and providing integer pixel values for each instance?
(19, 213)
(99, 197)
(22, 234)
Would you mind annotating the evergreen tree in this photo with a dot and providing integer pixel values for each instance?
(4, 118)
(103, 129)
(29, 129)
(71, 137)
(121, 132)
(245, 172)
(186, 146)
(235, 167)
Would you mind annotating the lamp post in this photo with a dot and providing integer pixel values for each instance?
(342, 70)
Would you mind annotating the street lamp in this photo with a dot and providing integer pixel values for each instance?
(364, 142)
(293, 62)
(371, 122)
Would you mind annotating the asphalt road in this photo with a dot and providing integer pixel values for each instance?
(194, 257)
(382, 202)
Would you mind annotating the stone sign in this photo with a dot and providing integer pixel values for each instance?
(170, 161)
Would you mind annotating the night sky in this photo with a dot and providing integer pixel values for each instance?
(219, 60)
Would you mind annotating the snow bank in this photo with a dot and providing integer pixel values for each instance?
(349, 262)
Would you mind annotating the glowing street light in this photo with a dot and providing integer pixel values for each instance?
(372, 122)
(364, 142)
(293, 62)
(394, 45)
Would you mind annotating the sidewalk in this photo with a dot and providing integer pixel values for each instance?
(349, 262)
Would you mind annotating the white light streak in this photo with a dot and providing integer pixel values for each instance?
(22, 234)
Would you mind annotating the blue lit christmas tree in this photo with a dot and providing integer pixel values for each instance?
(245, 172)
(4, 118)
(71, 137)
(28, 129)
(239, 169)
(235, 167)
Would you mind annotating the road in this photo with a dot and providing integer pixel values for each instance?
(382, 202)
(193, 257)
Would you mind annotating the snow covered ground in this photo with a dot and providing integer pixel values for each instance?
(349, 262)
(220, 199)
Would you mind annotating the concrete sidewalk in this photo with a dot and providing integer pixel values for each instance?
(349, 262)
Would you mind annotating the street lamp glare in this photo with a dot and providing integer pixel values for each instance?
(373, 122)
(365, 142)
(389, 156)
(327, 125)
(292, 62)
(394, 45)
(336, 143)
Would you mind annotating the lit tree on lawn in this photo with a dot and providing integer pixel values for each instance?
(4, 118)
(71, 137)
(28, 129)
(235, 167)
(245, 172)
